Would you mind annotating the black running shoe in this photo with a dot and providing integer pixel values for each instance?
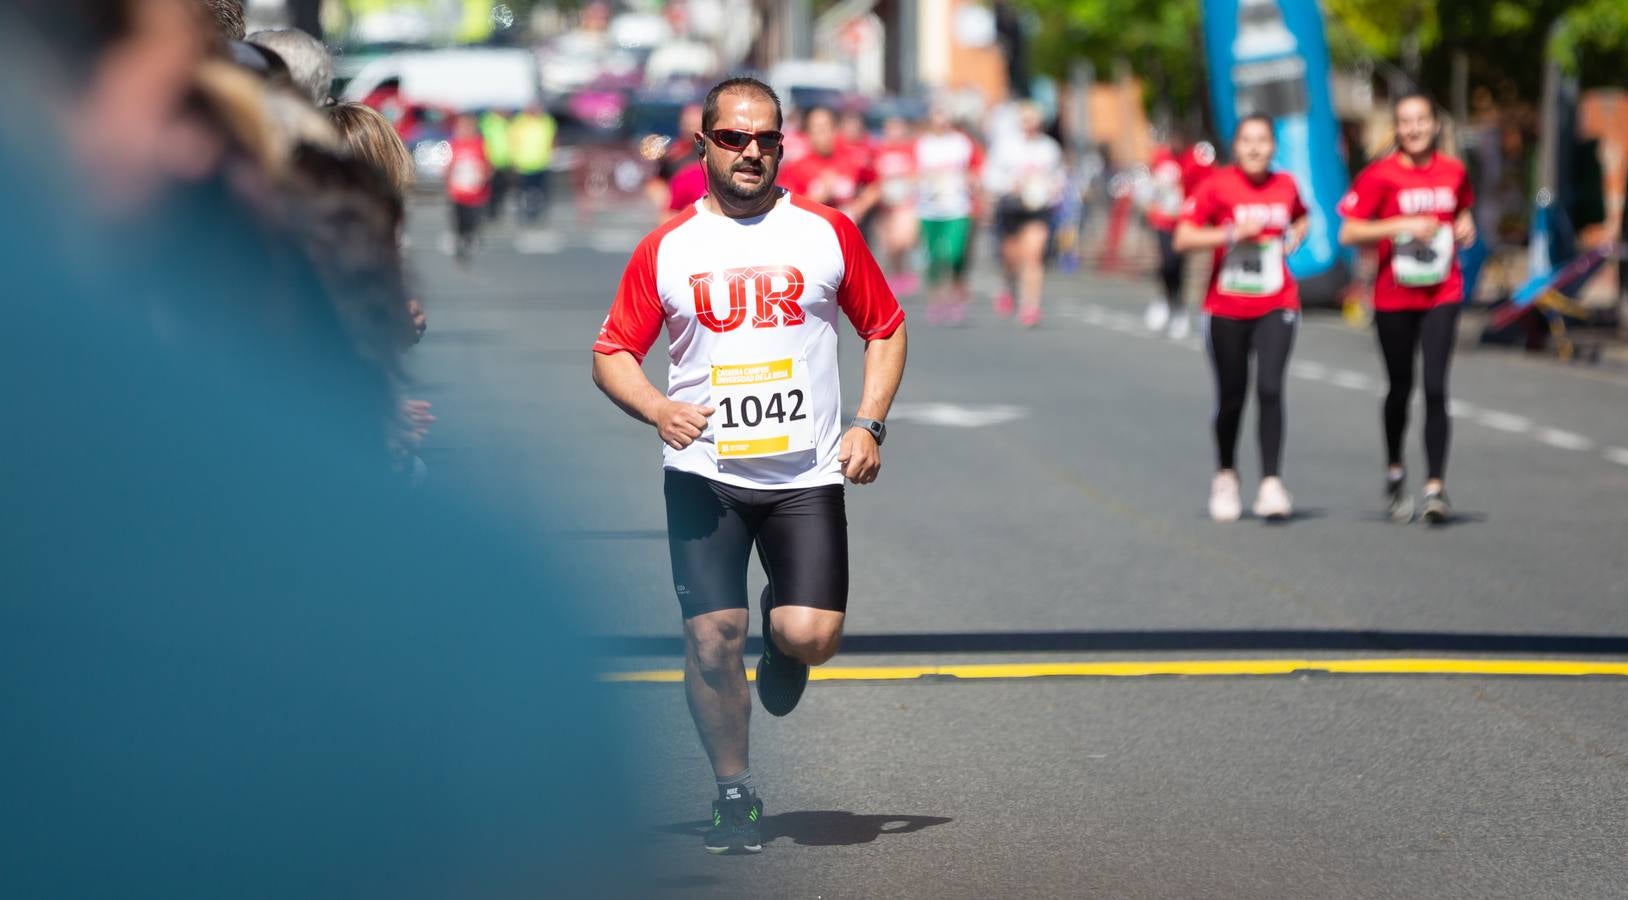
(1436, 509)
(735, 826)
(780, 678)
(1398, 505)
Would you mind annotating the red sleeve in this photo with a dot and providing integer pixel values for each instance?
(1297, 209)
(976, 165)
(863, 295)
(636, 315)
(1365, 197)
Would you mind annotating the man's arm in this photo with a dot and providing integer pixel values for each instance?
(624, 382)
(861, 459)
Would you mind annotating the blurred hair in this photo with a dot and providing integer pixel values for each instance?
(817, 110)
(741, 84)
(1435, 111)
(262, 61)
(369, 137)
(309, 62)
(1262, 118)
(226, 16)
(234, 101)
(347, 214)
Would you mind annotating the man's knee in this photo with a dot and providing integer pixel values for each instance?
(807, 635)
(716, 641)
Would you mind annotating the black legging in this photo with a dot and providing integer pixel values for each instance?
(1230, 340)
(1402, 335)
(1170, 263)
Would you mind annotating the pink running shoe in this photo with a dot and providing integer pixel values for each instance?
(1004, 304)
(1029, 318)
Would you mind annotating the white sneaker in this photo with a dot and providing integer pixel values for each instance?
(1224, 503)
(1157, 316)
(1180, 326)
(1273, 501)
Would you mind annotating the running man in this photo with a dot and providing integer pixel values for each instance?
(1415, 204)
(895, 164)
(1253, 219)
(829, 174)
(1025, 176)
(948, 163)
(469, 186)
(1176, 171)
(748, 283)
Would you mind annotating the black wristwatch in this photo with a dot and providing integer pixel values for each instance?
(876, 427)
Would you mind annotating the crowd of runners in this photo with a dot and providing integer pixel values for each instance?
(751, 271)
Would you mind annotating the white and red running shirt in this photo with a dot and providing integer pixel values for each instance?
(945, 164)
(1251, 278)
(1390, 187)
(750, 307)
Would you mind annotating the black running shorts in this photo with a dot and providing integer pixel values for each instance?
(801, 536)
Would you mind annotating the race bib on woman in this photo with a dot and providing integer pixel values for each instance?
(1423, 263)
(762, 409)
(1252, 268)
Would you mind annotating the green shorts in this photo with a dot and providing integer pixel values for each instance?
(946, 243)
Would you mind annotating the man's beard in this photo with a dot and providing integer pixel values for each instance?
(724, 184)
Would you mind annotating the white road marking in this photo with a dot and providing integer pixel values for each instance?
(1355, 381)
(613, 241)
(1502, 421)
(1565, 440)
(538, 242)
(957, 415)
(1308, 370)
(1618, 455)
(1459, 409)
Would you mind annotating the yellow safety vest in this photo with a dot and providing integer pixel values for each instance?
(531, 142)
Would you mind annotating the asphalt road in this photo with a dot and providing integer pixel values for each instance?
(1042, 499)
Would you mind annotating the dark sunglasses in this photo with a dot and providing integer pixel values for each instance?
(730, 139)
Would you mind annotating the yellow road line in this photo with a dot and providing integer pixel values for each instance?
(1189, 667)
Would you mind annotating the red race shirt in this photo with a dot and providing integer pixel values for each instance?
(833, 180)
(689, 184)
(469, 175)
(1391, 187)
(1175, 179)
(1229, 197)
(896, 170)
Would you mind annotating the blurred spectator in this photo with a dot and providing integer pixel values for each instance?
(531, 137)
(829, 176)
(494, 129)
(246, 664)
(681, 156)
(369, 136)
(469, 185)
(226, 16)
(309, 64)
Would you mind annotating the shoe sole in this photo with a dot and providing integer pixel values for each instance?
(1402, 514)
(1435, 516)
(745, 848)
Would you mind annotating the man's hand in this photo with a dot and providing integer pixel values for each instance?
(861, 459)
(420, 322)
(679, 424)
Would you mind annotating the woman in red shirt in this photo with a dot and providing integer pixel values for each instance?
(1253, 219)
(1414, 204)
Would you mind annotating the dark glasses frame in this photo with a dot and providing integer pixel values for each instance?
(767, 141)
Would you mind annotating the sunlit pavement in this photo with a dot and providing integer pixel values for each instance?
(1041, 505)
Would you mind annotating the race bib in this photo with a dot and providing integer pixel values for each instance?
(1422, 263)
(1036, 193)
(1252, 268)
(762, 409)
(947, 187)
(897, 190)
(467, 175)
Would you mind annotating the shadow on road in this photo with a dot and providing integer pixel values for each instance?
(823, 828)
(1264, 639)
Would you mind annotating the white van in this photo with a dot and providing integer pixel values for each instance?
(462, 79)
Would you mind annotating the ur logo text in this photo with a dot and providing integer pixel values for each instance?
(774, 292)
